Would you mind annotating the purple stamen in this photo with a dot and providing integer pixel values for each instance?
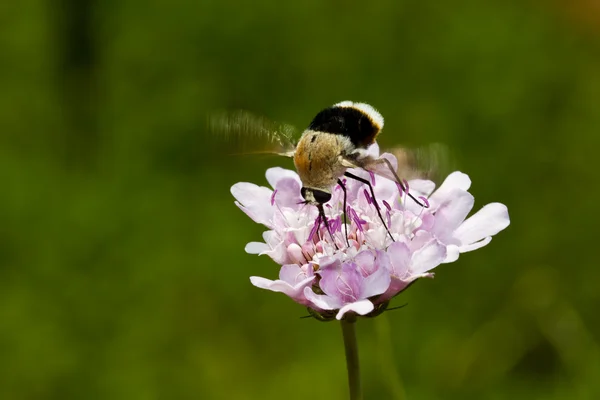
(400, 188)
(333, 225)
(372, 177)
(406, 187)
(386, 204)
(425, 201)
(315, 227)
(273, 197)
(359, 222)
(369, 200)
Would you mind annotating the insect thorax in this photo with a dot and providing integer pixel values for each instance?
(317, 158)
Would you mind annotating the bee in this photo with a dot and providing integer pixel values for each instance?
(336, 140)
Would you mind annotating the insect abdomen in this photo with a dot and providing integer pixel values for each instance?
(358, 121)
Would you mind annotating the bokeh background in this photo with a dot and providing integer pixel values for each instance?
(122, 270)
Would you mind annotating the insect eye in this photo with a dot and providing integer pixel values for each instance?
(303, 193)
(321, 197)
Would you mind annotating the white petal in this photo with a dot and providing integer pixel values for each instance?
(275, 174)
(276, 286)
(456, 180)
(427, 257)
(361, 307)
(452, 253)
(256, 248)
(475, 246)
(488, 221)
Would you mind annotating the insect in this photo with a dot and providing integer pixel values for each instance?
(336, 140)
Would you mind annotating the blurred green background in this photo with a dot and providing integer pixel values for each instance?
(122, 269)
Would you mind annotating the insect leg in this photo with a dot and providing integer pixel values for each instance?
(399, 181)
(345, 225)
(366, 182)
(324, 219)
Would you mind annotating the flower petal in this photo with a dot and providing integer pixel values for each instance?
(322, 301)
(256, 248)
(475, 246)
(421, 186)
(255, 201)
(276, 174)
(427, 257)
(452, 213)
(293, 286)
(296, 292)
(376, 283)
(361, 307)
(400, 259)
(293, 274)
(488, 221)
(452, 253)
(456, 180)
(288, 193)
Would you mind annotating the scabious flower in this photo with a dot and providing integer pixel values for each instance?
(356, 267)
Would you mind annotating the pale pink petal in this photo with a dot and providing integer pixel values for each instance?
(277, 248)
(288, 194)
(361, 307)
(427, 257)
(255, 201)
(276, 174)
(366, 262)
(421, 239)
(256, 248)
(321, 301)
(376, 283)
(295, 252)
(400, 258)
(488, 221)
(452, 213)
(294, 274)
(475, 246)
(296, 292)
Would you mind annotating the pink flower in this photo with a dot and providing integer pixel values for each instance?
(333, 274)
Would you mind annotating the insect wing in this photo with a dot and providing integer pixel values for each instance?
(430, 163)
(247, 133)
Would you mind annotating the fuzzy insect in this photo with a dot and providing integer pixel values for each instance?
(336, 140)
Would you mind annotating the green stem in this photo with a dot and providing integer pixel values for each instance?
(351, 347)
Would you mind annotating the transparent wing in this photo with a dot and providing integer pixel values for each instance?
(432, 163)
(245, 132)
(408, 164)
